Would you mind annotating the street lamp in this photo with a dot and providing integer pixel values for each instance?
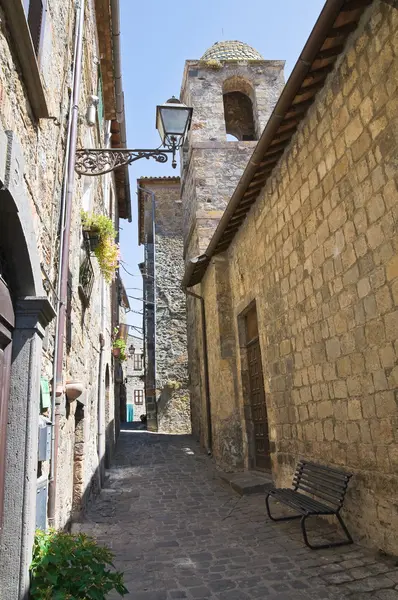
(173, 120)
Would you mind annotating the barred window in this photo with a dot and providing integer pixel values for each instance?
(138, 396)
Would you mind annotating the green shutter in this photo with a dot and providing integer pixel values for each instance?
(45, 396)
(101, 99)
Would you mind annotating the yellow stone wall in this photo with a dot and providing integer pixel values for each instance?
(318, 254)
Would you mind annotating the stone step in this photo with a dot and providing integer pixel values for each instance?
(248, 482)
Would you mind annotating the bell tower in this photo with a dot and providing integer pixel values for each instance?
(233, 91)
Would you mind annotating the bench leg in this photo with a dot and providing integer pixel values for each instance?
(278, 518)
(349, 539)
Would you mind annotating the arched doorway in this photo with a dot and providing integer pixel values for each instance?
(25, 311)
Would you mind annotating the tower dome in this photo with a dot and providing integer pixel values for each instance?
(231, 50)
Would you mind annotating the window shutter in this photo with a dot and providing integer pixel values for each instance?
(35, 20)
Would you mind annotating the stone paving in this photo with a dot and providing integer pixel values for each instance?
(178, 532)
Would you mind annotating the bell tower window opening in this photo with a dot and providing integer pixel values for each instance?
(238, 113)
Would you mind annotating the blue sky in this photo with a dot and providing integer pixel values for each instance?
(157, 38)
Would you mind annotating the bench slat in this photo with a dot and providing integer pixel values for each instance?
(322, 481)
(319, 494)
(330, 489)
(303, 504)
(327, 470)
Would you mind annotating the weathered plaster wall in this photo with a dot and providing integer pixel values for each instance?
(319, 255)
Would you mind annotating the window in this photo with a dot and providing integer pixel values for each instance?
(238, 110)
(239, 114)
(35, 10)
(138, 396)
(86, 273)
(137, 362)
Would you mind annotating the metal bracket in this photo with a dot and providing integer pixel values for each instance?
(98, 161)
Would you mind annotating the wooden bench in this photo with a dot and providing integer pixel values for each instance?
(317, 490)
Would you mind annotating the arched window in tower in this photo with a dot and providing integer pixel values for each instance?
(239, 109)
(238, 112)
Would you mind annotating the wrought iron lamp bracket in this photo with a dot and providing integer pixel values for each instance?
(98, 161)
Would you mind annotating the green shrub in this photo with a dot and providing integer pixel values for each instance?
(72, 567)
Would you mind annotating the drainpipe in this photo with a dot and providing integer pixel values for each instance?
(152, 301)
(62, 283)
(101, 392)
(205, 368)
(117, 62)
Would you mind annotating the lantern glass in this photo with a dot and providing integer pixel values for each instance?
(172, 121)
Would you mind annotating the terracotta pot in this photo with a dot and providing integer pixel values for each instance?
(73, 390)
(116, 352)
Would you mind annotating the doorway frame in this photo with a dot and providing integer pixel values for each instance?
(245, 382)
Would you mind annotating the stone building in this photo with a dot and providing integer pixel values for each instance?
(232, 90)
(56, 364)
(135, 385)
(300, 277)
(160, 229)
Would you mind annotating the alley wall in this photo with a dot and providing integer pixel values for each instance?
(318, 255)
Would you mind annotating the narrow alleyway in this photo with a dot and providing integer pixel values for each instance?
(178, 532)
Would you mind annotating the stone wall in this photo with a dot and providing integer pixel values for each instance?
(318, 254)
(170, 354)
(43, 143)
(135, 378)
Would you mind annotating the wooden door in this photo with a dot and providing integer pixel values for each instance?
(6, 327)
(258, 406)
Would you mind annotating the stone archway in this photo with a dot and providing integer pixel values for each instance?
(7, 322)
(32, 312)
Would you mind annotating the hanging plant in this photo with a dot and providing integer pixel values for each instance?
(119, 346)
(66, 565)
(120, 349)
(101, 234)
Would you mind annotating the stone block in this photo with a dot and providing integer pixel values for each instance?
(386, 405)
(354, 409)
(391, 325)
(392, 268)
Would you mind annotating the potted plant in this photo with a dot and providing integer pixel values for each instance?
(120, 349)
(100, 234)
(74, 566)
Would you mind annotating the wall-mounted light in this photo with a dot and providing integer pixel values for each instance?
(91, 114)
(173, 120)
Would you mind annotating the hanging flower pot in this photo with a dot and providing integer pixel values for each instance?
(119, 347)
(100, 235)
(116, 352)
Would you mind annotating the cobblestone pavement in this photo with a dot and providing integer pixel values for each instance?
(178, 532)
